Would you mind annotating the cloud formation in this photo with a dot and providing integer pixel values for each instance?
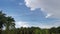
(49, 6)
(48, 15)
(21, 24)
(41, 25)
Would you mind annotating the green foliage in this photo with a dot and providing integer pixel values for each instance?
(33, 30)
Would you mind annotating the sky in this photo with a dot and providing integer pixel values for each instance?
(37, 13)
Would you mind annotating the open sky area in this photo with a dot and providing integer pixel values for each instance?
(37, 13)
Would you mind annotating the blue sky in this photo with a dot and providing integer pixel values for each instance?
(27, 15)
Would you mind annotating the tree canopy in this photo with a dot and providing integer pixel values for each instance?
(6, 21)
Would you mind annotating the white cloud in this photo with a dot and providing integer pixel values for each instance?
(21, 24)
(48, 15)
(27, 24)
(49, 6)
(41, 25)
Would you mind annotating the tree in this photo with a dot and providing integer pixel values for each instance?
(7, 21)
(10, 22)
(2, 20)
(52, 30)
(58, 30)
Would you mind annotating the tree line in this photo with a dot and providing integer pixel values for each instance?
(33, 30)
(9, 23)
